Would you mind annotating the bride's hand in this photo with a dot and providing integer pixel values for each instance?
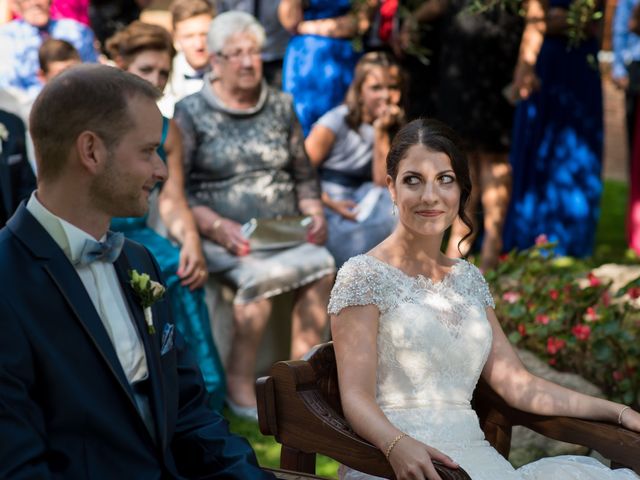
(412, 460)
(631, 420)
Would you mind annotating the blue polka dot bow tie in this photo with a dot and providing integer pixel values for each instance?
(106, 251)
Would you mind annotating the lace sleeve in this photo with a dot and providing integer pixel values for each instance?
(481, 288)
(358, 283)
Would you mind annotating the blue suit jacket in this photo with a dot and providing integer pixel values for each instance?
(17, 180)
(67, 410)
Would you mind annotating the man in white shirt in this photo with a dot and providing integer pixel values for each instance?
(94, 380)
(190, 19)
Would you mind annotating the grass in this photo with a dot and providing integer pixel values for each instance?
(268, 451)
(611, 246)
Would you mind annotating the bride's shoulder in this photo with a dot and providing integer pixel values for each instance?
(360, 281)
(470, 279)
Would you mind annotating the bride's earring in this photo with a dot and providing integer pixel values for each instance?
(394, 209)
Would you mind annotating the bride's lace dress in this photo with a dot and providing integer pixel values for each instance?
(433, 341)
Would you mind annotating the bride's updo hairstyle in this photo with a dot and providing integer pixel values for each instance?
(437, 137)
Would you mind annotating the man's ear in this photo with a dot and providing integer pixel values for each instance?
(42, 77)
(91, 151)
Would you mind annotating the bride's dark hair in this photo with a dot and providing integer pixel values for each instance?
(437, 137)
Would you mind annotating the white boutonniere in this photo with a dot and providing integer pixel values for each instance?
(148, 292)
(4, 135)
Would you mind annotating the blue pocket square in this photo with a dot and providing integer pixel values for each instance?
(167, 338)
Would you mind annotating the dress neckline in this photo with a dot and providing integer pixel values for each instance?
(419, 278)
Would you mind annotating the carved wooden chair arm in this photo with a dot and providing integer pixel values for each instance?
(618, 444)
(292, 408)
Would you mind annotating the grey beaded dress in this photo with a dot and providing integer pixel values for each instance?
(246, 164)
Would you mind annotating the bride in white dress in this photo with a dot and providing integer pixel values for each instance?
(413, 331)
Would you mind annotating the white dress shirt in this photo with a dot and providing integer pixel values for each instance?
(183, 82)
(101, 282)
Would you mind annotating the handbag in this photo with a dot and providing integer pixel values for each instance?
(276, 233)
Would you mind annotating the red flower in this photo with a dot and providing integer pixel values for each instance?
(634, 292)
(542, 319)
(511, 297)
(581, 331)
(554, 345)
(591, 315)
(552, 361)
(554, 294)
(503, 257)
(606, 299)
(617, 375)
(522, 330)
(593, 280)
(542, 239)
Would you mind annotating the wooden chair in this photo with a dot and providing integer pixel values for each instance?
(299, 403)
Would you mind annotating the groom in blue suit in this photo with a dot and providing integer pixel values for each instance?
(93, 385)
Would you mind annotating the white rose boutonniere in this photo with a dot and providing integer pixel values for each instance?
(4, 135)
(148, 292)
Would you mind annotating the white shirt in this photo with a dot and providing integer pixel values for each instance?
(101, 282)
(179, 86)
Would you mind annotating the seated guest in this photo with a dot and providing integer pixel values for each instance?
(191, 20)
(245, 159)
(21, 38)
(16, 176)
(266, 12)
(55, 56)
(349, 145)
(146, 51)
(94, 381)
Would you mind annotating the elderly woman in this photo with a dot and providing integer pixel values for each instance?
(245, 159)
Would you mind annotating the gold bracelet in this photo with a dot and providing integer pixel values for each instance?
(620, 414)
(393, 444)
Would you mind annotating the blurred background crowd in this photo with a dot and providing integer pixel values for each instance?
(284, 111)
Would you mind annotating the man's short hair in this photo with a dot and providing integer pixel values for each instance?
(55, 50)
(185, 9)
(82, 98)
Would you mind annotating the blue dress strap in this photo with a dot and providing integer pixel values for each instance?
(165, 131)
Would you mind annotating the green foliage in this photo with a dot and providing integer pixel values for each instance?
(268, 450)
(558, 309)
(580, 16)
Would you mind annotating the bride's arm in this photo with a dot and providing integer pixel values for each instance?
(506, 374)
(354, 332)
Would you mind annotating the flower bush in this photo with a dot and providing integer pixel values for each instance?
(557, 308)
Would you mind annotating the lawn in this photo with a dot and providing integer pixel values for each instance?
(610, 247)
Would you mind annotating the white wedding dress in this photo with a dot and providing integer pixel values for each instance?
(433, 341)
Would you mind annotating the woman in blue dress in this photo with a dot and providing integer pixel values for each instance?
(556, 151)
(349, 145)
(147, 51)
(320, 58)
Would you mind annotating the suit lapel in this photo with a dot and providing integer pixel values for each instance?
(5, 181)
(66, 279)
(151, 344)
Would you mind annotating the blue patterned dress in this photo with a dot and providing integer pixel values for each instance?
(188, 307)
(317, 70)
(557, 151)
